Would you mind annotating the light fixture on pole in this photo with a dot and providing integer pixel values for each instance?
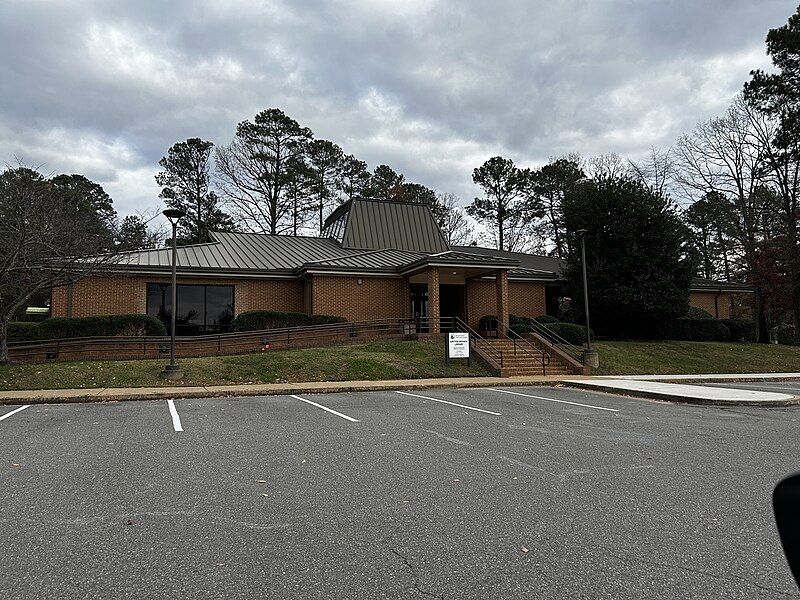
(172, 371)
(590, 357)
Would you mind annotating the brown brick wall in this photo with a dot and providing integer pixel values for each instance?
(524, 299)
(100, 296)
(119, 294)
(375, 298)
(705, 301)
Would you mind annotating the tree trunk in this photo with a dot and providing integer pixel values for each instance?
(4, 358)
(762, 329)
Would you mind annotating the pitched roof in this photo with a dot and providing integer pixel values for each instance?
(528, 262)
(713, 285)
(377, 260)
(238, 252)
(377, 225)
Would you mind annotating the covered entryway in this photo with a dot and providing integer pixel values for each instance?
(452, 301)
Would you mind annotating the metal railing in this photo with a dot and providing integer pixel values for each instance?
(573, 351)
(524, 346)
(128, 348)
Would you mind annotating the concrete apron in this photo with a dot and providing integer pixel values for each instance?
(691, 394)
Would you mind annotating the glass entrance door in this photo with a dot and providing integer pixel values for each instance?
(419, 305)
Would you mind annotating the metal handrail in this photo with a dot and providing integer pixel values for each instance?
(549, 335)
(528, 348)
(474, 336)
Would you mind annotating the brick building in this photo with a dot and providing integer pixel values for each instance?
(374, 260)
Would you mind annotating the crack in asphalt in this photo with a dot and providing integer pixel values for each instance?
(413, 571)
(697, 572)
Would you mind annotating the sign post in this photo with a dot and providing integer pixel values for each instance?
(457, 346)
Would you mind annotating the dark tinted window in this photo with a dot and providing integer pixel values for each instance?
(201, 308)
(219, 305)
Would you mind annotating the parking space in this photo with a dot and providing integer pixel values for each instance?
(468, 493)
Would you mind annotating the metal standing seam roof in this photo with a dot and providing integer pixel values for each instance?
(531, 262)
(238, 251)
(375, 259)
(399, 225)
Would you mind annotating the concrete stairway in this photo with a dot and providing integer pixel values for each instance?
(526, 361)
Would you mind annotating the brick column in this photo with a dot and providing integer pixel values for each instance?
(501, 283)
(434, 311)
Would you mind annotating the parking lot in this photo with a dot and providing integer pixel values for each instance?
(524, 492)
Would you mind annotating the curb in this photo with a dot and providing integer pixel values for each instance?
(682, 399)
(110, 395)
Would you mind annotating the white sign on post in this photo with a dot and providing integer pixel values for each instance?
(458, 345)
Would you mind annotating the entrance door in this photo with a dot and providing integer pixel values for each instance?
(451, 298)
(419, 304)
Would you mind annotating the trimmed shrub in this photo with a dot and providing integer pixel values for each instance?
(784, 334)
(698, 330)
(256, 320)
(545, 319)
(572, 333)
(22, 331)
(488, 322)
(740, 330)
(521, 328)
(697, 313)
(113, 325)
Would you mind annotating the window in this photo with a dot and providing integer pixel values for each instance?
(201, 308)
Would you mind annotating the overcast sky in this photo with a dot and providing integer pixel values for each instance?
(431, 88)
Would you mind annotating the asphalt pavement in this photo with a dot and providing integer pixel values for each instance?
(524, 492)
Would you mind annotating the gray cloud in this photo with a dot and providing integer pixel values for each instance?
(432, 88)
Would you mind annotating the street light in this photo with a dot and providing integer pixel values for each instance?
(590, 357)
(172, 371)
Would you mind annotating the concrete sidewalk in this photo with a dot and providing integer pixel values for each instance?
(643, 386)
(690, 394)
(718, 377)
(266, 389)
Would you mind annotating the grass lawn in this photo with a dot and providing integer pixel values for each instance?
(373, 361)
(670, 357)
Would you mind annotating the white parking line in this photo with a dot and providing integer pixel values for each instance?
(553, 400)
(16, 410)
(325, 408)
(176, 420)
(488, 412)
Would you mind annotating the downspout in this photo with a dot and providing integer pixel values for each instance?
(70, 298)
(716, 303)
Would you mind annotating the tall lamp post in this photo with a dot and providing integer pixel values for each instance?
(172, 371)
(590, 357)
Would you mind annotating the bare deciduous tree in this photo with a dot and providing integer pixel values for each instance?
(724, 156)
(656, 170)
(43, 242)
(453, 220)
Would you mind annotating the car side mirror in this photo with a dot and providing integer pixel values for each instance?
(786, 503)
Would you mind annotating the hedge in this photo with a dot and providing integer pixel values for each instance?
(256, 320)
(517, 323)
(740, 330)
(521, 328)
(545, 319)
(698, 330)
(20, 331)
(697, 313)
(572, 333)
(77, 327)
